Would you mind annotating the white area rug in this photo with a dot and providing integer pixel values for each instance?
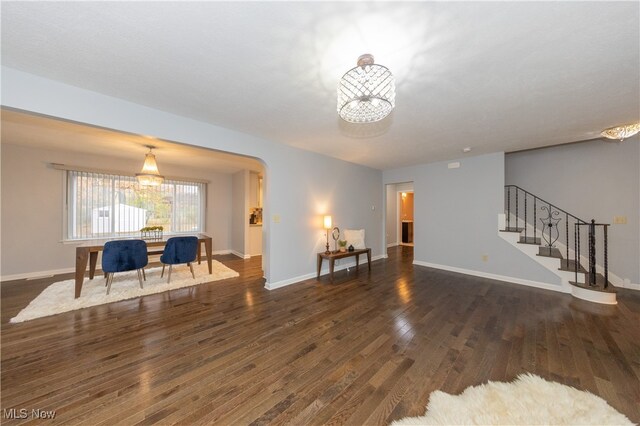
(529, 400)
(58, 297)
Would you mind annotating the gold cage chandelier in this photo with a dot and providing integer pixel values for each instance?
(367, 92)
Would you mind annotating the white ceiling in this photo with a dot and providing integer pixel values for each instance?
(37, 131)
(491, 75)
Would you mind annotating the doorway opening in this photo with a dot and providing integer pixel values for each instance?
(405, 218)
(399, 224)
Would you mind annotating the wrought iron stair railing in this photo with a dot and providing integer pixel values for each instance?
(558, 227)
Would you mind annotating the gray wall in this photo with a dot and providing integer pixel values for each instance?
(301, 186)
(391, 216)
(32, 205)
(457, 211)
(592, 180)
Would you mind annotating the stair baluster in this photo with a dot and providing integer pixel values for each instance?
(567, 235)
(592, 253)
(525, 217)
(578, 258)
(606, 256)
(517, 215)
(508, 208)
(535, 219)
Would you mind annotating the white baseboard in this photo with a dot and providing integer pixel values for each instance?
(288, 281)
(392, 245)
(537, 284)
(213, 253)
(630, 286)
(324, 271)
(36, 274)
(240, 255)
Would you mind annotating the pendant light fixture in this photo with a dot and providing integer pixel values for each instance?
(621, 132)
(366, 93)
(149, 175)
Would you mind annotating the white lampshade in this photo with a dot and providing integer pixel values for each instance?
(327, 222)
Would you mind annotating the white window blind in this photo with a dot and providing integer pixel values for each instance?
(103, 205)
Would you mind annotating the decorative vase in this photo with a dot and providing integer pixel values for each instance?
(351, 248)
(343, 249)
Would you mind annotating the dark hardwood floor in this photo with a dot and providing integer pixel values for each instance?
(367, 349)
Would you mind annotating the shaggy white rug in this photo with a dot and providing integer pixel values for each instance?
(529, 400)
(58, 297)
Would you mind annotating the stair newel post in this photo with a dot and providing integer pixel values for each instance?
(592, 252)
(508, 207)
(578, 247)
(576, 251)
(525, 216)
(606, 257)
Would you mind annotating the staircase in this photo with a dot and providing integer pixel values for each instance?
(573, 249)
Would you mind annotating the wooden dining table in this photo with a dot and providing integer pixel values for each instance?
(87, 252)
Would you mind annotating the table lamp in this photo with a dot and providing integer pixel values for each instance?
(327, 226)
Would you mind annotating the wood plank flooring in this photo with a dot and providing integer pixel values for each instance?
(367, 349)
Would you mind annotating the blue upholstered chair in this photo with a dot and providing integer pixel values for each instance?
(179, 250)
(124, 255)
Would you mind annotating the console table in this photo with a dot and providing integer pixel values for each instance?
(88, 253)
(331, 257)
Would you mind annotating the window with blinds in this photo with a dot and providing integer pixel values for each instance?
(105, 205)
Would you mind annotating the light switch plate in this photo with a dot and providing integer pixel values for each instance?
(619, 220)
(276, 218)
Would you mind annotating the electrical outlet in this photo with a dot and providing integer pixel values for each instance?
(276, 218)
(485, 257)
(619, 220)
